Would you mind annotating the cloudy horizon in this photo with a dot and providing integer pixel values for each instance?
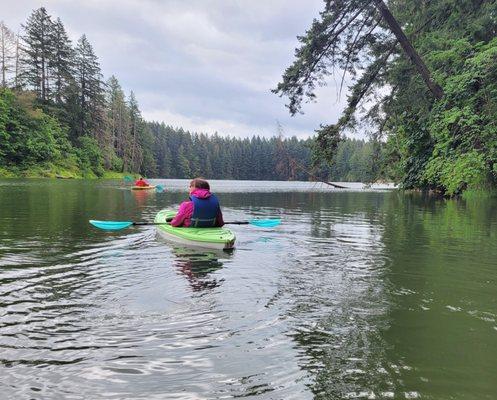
(205, 66)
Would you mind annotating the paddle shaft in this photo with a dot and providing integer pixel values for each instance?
(118, 225)
(170, 219)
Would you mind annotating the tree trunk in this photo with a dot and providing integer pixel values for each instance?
(42, 66)
(83, 103)
(16, 78)
(134, 145)
(3, 44)
(409, 49)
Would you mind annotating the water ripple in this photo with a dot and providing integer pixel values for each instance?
(355, 295)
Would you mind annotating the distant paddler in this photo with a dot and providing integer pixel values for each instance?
(142, 184)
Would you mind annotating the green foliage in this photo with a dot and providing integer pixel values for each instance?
(448, 143)
(63, 118)
(181, 154)
(463, 125)
(5, 100)
(456, 173)
(35, 144)
(37, 52)
(90, 156)
(168, 152)
(29, 136)
(335, 39)
(354, 162)
(41, 144)
(326, 143)
(7, 173)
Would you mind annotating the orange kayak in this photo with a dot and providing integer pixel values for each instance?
(143, 187)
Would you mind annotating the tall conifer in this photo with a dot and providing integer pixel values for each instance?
(62, 62)
(91, 101)
(38, 52)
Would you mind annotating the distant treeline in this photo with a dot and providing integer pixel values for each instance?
(59, 116)
(181, 154)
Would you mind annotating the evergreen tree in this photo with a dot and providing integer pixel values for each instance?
(107, 130)
(355, 36)
(181, 154)
(61, 63)
(7, 53)
(38, 52)
(183, 163)
(136, 132)
(119, 122)
(91, 102)
(142, 157)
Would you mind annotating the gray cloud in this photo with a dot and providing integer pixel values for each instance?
(205, 65)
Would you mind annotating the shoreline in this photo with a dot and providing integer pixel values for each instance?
(53, 172)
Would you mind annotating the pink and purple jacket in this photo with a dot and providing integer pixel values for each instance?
(185, 212)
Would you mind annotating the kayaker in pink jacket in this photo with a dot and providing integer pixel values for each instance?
(203, 209)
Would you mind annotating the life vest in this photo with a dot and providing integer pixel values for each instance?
(204, 212)
(142, 182)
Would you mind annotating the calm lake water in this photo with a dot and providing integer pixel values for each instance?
(358, 294)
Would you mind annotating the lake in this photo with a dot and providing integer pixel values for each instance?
(365, 294)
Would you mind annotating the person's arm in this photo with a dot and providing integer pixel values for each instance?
(185, 211)
(219, 218)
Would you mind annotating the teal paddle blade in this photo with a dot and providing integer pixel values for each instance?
(111, 225)
(128, 178)
(265, 223)
(159, 188)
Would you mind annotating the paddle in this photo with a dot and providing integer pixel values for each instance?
(117, 225)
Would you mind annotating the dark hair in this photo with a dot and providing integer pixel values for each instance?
(199, 183)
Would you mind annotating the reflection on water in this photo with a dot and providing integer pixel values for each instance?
(356, 295)
(197, 265)
(142, 196)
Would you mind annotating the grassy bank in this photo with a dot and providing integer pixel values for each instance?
(57, 171)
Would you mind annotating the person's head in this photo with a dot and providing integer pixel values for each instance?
(141, 178)
(199, 183)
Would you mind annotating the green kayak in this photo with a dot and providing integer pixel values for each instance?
(212, 238)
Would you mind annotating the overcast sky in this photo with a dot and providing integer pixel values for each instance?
(204, 65)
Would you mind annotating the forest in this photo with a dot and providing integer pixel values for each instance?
(423, 85)
(59, 116)
(424, 82)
